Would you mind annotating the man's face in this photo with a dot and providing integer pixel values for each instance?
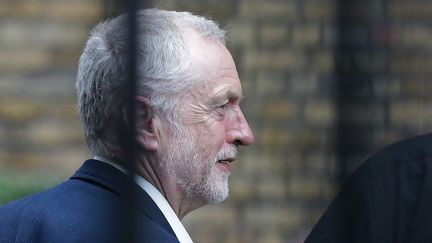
(199, 154)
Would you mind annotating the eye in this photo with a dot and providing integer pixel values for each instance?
(224, 106)
(221, 111)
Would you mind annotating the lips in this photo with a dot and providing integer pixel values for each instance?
(225, 157)
(225, 164)
(226, 161)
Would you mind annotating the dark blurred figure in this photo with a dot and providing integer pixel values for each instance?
(388, 199)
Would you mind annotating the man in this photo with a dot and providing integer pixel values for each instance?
(188, 126)
(386, 200)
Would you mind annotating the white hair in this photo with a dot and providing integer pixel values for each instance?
(164, 70)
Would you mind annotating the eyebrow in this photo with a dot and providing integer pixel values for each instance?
(230, 95)
(234, 96)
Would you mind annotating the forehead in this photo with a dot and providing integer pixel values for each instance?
(215, 69)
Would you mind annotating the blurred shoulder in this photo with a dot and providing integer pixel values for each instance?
(399, 154)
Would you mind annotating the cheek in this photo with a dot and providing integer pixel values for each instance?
(215, 135)
(212, 138)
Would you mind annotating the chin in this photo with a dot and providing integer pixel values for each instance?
(218, 193)
(216, 200)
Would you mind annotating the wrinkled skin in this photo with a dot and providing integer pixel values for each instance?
(196, 161)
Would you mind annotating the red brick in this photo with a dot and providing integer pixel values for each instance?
(268, 9)
(274, 34)
(306, 35)
(318, 9)
(410, 10)
(322, 113)
(414, 113)
(281, 110)
(282, 60)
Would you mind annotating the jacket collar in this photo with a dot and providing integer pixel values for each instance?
(110, 178)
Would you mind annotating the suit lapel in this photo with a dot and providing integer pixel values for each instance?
(110, 178)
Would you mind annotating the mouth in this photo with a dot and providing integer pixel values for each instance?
(225, 164)
(226, 161)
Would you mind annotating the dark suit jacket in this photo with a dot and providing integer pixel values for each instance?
(387, 200)
(92, 206)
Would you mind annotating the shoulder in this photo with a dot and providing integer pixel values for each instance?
(382, 193)
(70, 206)
(76, 210)
(410, 155)
(401, 152)
(404, 163)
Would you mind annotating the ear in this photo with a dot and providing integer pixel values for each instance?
(147, 124)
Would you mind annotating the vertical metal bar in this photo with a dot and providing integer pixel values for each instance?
(361, 63)
(353, 84)
(131, 9)
(132, 71)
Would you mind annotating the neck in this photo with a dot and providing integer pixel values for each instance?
(168, 187)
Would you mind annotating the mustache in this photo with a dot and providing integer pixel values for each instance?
(230, 153)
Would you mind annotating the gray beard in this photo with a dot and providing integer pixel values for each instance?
(198, 178)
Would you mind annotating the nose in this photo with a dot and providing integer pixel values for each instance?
(238, 131)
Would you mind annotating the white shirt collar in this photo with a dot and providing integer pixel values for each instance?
(159, 199)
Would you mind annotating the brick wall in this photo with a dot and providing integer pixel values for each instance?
(40, 43)
(292, 59)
